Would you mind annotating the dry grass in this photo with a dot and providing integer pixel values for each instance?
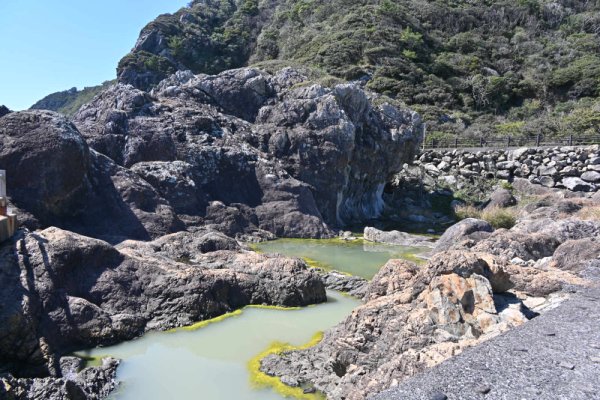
(496, 216)
(590, 213)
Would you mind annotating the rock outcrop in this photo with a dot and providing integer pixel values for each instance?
(56, 179)
(62, 291)
(260, 151)
(478, 284)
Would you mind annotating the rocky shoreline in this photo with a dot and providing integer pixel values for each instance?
(479, 284)
(133, 213)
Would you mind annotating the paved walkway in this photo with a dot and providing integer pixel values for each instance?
(554, 356)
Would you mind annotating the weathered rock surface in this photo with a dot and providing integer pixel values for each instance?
(4, 111)
(398, 238)
(54, 177)
(273, 152)
(461, 231)
(551, 357)
(415, 317)
(62, 291)
(501, 198)
(93, 383)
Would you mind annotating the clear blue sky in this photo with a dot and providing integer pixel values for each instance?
(52, 45)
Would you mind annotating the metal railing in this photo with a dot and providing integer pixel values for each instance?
(505, 142)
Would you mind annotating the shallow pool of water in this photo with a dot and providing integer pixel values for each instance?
(355, 257)
(212, 362)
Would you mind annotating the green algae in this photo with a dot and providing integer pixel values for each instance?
(259, 379)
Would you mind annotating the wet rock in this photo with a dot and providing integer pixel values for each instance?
(461, 231)
(353, 285)
(398, 238)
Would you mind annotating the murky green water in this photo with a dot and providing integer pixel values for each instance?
(353, 257)
(211, 363)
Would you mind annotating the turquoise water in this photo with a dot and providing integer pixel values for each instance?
(354, 257)
(211, 363)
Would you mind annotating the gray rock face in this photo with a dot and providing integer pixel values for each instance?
(61, 291)
(461, 231)
(292, 160)
(56, 178)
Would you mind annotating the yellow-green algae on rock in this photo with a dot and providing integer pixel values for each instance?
(260, 379)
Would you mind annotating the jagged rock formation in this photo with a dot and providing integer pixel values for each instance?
(55, 179)
(62, 291)
(247, 150)
(416, 317)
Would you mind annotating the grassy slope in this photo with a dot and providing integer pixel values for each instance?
(69, 101)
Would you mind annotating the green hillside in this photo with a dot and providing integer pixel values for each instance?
(470, 67)
(68, 102)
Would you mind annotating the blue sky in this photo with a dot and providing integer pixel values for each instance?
(52, 45)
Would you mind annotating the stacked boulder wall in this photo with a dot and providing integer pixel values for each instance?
(62, 291)
(56, 179)
(268, 151)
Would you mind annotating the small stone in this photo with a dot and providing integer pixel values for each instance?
(483, 389)
(309, 390)
(439, 396)
(595, 360)
(550, 333)
(566, 365)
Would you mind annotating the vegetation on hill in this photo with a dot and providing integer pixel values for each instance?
(69, 101)
(504, 67)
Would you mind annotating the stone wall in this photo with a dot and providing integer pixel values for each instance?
(573, 168)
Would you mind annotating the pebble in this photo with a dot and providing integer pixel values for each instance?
(309, 390)
(439, 396)
(595, 360)
(566, 365)
(484, 389)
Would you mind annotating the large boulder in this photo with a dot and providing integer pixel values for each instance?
(61, 291)
(295, 160)
(54, 177)
(461, 231)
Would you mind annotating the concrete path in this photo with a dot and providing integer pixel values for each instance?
(554, 356)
